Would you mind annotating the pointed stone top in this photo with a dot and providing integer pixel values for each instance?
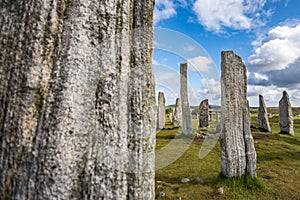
(285, 94)
(161, 96)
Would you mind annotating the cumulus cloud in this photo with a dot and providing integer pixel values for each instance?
(200, 63)
(212, 87)
(166, 9)
(211, 90)
(280, 48)
(258, 79)
(235, 14)
(272, 95)
(276, 59)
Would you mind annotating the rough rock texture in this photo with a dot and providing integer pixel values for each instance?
(171, 117)
(177, 114)
(286, 121)
(77, 101)
(263, 120)
(203, 114)
(161, 111)
(185, 106)
(238, 156)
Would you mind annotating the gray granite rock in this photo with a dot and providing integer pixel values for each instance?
(203, 114)
(77, 100)
(185, 106)
(161, 111)
(263, 120)
(286, 121)
(238, 156)
(185, 180)
(171, 116)
(177, 113)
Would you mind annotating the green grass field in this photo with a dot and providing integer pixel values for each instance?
(278, 168)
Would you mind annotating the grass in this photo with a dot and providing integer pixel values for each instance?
(278, 168)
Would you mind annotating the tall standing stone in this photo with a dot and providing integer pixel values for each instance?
(238, 156)
(171, 116)
(77, 100)
(161, 111)
(263, 120)
(177, 114)
(203, 114)
(185, 106)
(286, 121)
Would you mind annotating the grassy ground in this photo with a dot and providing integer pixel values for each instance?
(278, 168)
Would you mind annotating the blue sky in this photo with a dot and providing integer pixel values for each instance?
(265, 33)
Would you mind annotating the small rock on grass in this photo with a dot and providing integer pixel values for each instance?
(185, 180)
(162, 194)
(199, 180)
(221, 190)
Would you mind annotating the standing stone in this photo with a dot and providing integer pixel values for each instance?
(263, 120)
(203, 113)
(286, 121)
(171, 116)
(177, 114)
(185, 106)
(77, 100)
(238, 156)
(161, 111)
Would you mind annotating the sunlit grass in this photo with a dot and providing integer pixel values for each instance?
(278, 168)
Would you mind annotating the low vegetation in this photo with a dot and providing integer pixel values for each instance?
(278, 168)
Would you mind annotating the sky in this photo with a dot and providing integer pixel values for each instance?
(264, 33)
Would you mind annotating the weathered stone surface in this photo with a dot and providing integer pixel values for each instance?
(161, 111)
(171, 117)
(286, 121)
(263, 120)
(177, 113)
(203, 114)
(77, 101)
(238, 156)
(185, 105)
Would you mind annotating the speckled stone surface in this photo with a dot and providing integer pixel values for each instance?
(238, 156)
(77, 101)
(177, 113)
(286, 121)
(203, 113)
(263, 120)
(186, 119)
(161, 111)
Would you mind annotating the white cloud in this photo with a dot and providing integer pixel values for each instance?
(260, 76)
(167, 80)
(280, 48)
(275, 64)
(235, 14)
(213, 89)
(272, 95)
(166, 9)
(200, 63)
